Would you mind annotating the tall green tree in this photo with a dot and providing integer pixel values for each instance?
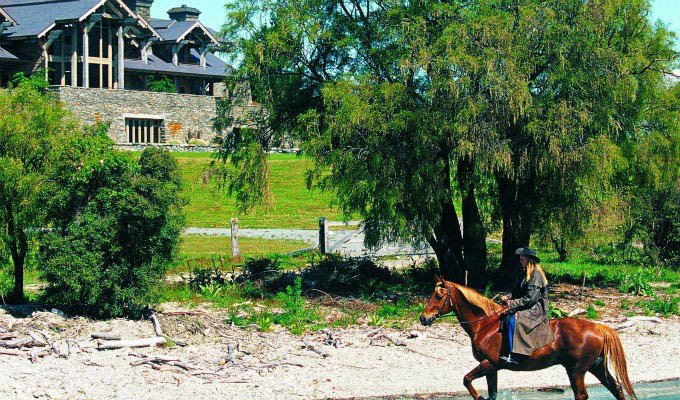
(31, 124)
(512, 106)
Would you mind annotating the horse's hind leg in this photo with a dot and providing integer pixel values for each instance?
(483, 369)
(601, 373)
(578, 385)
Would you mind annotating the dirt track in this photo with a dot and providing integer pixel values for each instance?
(275, 365)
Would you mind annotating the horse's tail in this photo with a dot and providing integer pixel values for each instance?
(614, 357)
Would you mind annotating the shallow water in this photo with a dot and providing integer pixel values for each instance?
(645, 391)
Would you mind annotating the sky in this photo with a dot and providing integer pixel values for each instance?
(214, 14)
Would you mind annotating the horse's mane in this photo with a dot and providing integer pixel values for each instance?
(478, 300)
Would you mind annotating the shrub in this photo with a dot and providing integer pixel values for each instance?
(202, 277)
(117, 229)
(591, 312)
(298, 316)
(664, 306)
(637, 284)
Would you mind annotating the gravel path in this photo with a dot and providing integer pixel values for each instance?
(353, 247)
(360, 366)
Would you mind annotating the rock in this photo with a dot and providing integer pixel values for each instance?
(578, 311)
(413, 334)
(654, 332)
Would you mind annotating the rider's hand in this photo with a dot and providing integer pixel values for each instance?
(505, 298)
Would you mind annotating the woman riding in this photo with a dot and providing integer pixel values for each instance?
(527, 322)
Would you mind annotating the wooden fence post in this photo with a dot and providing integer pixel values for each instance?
(235, 252)
(323, 235)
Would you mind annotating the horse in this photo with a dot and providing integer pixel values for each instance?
(580, 346)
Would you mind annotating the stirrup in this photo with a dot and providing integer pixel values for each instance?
(509, 360)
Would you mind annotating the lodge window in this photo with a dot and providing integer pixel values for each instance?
(143, 131)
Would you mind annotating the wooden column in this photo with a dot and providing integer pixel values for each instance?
(121, 59)
(86, 57)
(109, 54)
(101, 54)
(235, 251)
(46, 61)
(63, 58)
(323, 235)
(74, 56)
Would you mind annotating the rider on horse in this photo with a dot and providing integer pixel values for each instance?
(527, 323)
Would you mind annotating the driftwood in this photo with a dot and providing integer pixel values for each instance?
(629, 322)
(310, 347)
(278, 364)
(106, 336)
(159, 332)
(21, 343)
(7, 352)
(119, 344)
(7, 336)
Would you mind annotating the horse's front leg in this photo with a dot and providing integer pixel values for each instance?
(483, 369)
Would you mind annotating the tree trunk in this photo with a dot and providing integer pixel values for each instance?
(18, 247)
(474, 233)
(445, 238)
(516, 200)
(447, 243)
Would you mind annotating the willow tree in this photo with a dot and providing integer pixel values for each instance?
(510, 106)
(31, 125)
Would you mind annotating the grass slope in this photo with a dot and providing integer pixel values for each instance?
(295, 206)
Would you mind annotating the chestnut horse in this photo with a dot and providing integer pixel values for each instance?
(580, 346)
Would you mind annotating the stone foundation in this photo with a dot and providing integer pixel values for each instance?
(186, 118)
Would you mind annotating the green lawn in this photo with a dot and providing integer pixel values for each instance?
(198, 247)
(294, 207)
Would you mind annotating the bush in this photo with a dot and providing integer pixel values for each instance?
(637, 284)
(663, 306)
(202, 277)
(117, 229)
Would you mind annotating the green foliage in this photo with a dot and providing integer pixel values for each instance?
(524, 109)
(637, 284)
(201, 277)
(32, 125)
(599, 303)
(298, 316)
(117, 225)
(665, 306)
(555, 313)
(591, 312)
(156, 83)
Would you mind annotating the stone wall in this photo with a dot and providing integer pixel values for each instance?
(184, 116)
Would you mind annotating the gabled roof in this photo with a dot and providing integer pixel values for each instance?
(7, 56)
(6, 16)
(37, 17)
(175, 31)
(215, 67)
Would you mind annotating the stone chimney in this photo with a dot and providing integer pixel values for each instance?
(141, 7)
(184, 13)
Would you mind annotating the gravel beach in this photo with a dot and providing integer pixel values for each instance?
(235, 363)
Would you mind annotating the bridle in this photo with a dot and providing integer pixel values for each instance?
(450, 300)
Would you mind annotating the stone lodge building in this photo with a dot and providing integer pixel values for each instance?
(100, 56)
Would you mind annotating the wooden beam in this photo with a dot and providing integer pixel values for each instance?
(175, 51)
(121, 58)
(86, 56)
(101, 54)
(110, 58)
(146, 45)
(63, 64)
(74, 56)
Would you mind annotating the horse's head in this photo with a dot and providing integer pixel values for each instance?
(440, 303)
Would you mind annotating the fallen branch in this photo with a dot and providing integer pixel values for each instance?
(310, 347)
(159, 332)
(20, 343)
(17, 353)
(106, 336)
(119, 344)
(278, 364)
